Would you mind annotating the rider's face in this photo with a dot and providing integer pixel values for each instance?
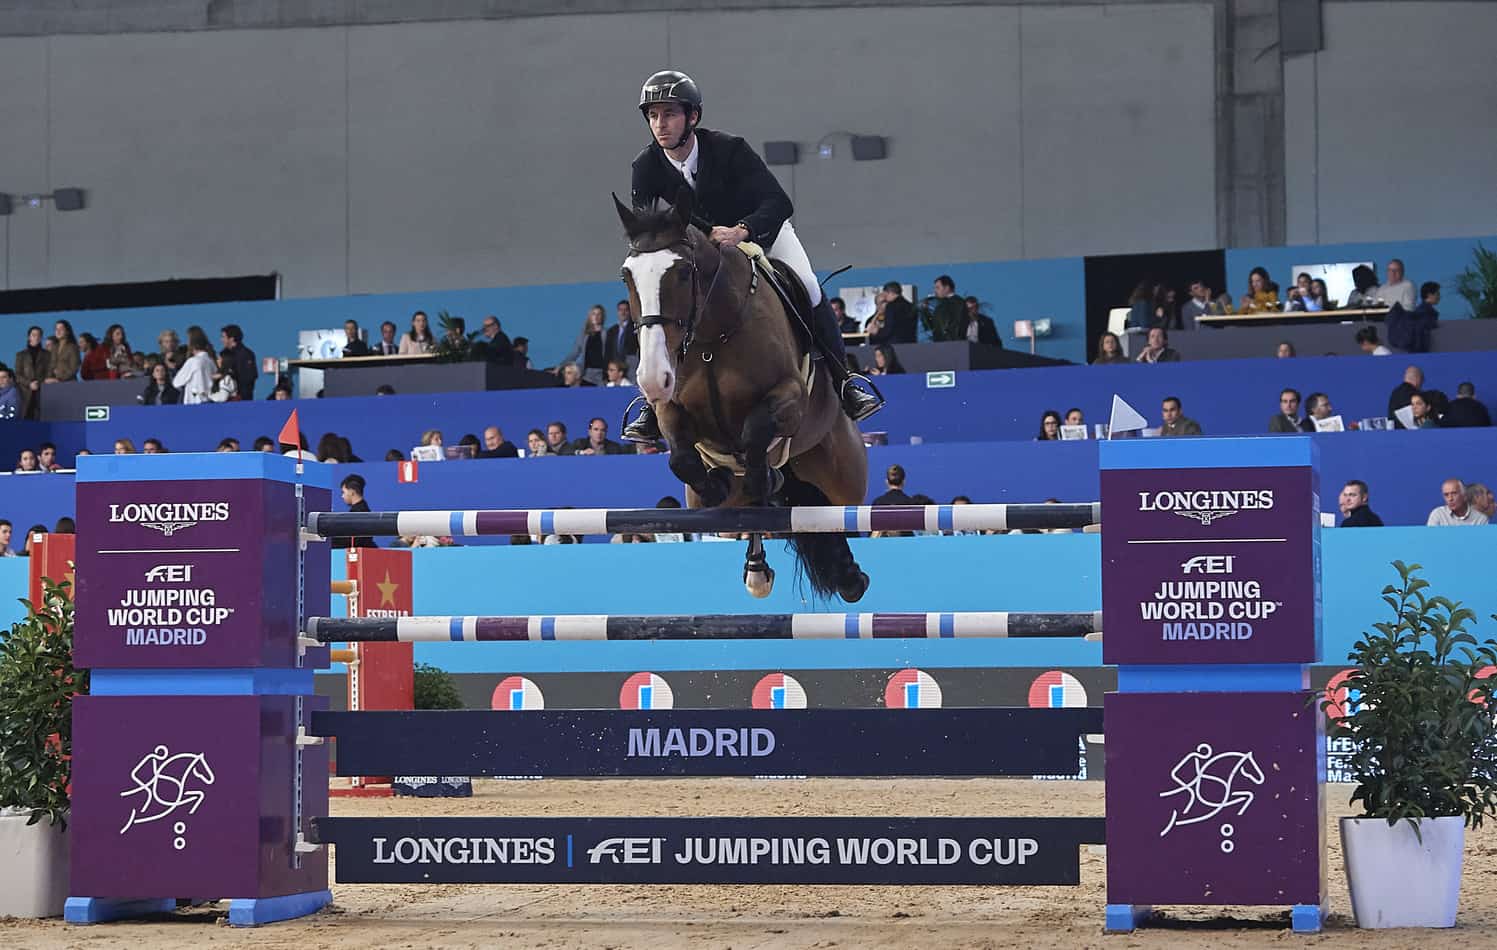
(667, 122)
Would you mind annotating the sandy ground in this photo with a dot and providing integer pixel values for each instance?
(664, 917)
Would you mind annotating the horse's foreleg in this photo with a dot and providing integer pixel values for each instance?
(711, 488)
(758, 576)
(759, 430)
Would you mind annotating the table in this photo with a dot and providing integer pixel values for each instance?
(1278, 318)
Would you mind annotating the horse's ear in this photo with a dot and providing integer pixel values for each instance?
(685, 204)
(626, 215)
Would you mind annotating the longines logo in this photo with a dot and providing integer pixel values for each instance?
(169, 517)
(1207, 506)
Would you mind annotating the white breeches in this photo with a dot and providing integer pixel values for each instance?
(787, 248)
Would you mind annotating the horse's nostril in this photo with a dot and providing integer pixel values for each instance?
(667, 380)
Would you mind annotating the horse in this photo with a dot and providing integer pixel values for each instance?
(725, 368)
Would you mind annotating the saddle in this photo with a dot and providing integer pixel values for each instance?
(788, 288)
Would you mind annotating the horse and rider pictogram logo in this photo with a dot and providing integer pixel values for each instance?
(1212, 782)
(168, 782)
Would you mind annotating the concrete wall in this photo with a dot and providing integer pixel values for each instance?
(1389, 129)
(374, 159)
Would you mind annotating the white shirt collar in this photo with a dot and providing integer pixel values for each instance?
(688, 168)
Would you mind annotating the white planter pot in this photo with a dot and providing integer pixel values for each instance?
(1399, 880)
(33, 867)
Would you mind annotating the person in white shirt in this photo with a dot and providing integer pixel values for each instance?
(1369, 343)
(617, 374)
(1457, 510)
(1396, 289)
(195, 379)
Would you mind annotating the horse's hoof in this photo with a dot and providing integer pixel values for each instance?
(852, 593)
(759, 583)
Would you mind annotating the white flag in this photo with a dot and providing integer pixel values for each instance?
(1124, 418)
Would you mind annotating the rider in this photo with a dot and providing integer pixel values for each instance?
(737, 199)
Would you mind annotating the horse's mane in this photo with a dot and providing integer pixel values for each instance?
(656, 228)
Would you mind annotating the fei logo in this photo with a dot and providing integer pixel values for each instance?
(646, 691)
(912, 689)
(167, 782)
(625, 851)
(1209, 564)
(1209, 781)
(517, 692)
(778, 691)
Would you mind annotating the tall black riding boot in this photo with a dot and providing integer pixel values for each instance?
(645, 427)
(859, 398)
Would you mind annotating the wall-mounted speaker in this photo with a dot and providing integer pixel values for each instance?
(781, 153)
(68, 199)
(869, 148)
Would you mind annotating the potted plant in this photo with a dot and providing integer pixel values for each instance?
(455, 344)
(37, 685)
(1420, 716)
(1478, 283)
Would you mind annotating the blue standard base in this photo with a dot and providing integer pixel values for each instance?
(252, 912)
(1125, 918)
(99, 910)
(1307, 918)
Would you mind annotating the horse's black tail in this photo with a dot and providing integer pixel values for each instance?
(824, 559)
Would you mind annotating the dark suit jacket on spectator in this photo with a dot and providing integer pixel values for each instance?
(610, 447)
(1282, 423)
(1362, 517)
(356, 348)
(31, 365)
(506, 450)
(894, 496)
(65, 362)
(620, 346)
(1465, 412)
(498, 350)
(899, 324)
(241, 364)
(987, 331)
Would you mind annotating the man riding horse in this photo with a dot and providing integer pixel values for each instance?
(736, 199)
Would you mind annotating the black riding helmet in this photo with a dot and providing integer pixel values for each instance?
(670, 85)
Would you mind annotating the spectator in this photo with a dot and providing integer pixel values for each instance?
(239, 361)
(418, 338)
(26, 463)
(495, 446)
(93, 361)
(944, 312)
(1317, 406)
(1303, 298)
(1288, 418)
(10, 396)
(1424, 414)
(152, 447)
(264, 444)
(1457, 510)
(468, 441)
(46, 457)
(1402, 395)
(1176, 423)
(384, 389)
(124, 447)
(456, 337)
(522, 352)
(169, 349)
(432, 437)
(352, 491)
(225, 389)
(282, 390)
(1364, 287)
(893, 488)
(65, 525)
(885, 361)
(571, 375)
(617, 374)
(389, 344)
(1370, 344)
(1480, 497)
(329, 449)
(1396, 289)
(160, 391)
(1074, 417)
(1262, 295)
(1321, 294)
(556, 439)
(354, 344)
(229, 444)
(30, 539)
(1354, 510)
(847, 323)
(670, 537)
(33, 365)
(535, 444)
(65, 356)
(1202, 303)
(1145, 310)
(5, 533)
(195, 379)
(394, 455)
(622, 341)
(1109, 350)
(1049, 427)
(1285, 350)
(597, 441)
(1159, 349)
(493, 343)
(119, 356)
(893, 319)
(587, 350)
(978, 327)
(1465, 410)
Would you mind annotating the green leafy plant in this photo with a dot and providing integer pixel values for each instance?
(1422, 723)
(1478, 283)
(436, 689)
(37, 686)
(454, 347)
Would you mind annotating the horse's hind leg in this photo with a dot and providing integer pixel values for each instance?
(834, 472)
(758, 576)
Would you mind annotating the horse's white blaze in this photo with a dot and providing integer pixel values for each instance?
(656, 375)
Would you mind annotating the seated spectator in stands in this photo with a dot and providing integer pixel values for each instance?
(354, 345)
(535, 444)
(493, 343)
(1303, 298)
(394, 455)
(1396, 289)
(1457, 510)
(93, 359)
(46, 457)
(1287, 419)
(571, 375)
(1202, 303)
(1465, 410)
(587, 349)
(1049, 427)
(1364, 288)
(227, 445)
(10, 396)
(1159, 349)
(5, 534)
(978, 326)
(522, 352)
(670, 537)
(1285, 350)
(556, 439)
(1370, 344)
(617, 374)
(885, 361)
(29, 540)
(495, 446)
(282, 390)
(65, 356)
(597, 441)
(847, 323)
(1402, 395)
(160, 391)
(893, 488)
(469, 442)
(893, 319)
(33, 365)
(152, 447)
(195, 379)
(1074, 417)
(621, 342)
(124, 447)
(432, 437)
(1319, 292)
(225, 389)
(26, 463)
(1317, 406)
(1480, 498)
(169, 349)
(266, 444)
(1353, 504)
(352, 491)
(418, 338)
(1109, 350)
(1145, 310)
(1425, 416)
(121, 357)
(329, 449)
(1176, 422)
(388, 344)
(1262, 295)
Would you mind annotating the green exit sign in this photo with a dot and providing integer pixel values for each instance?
(96, 413)
(944, 379)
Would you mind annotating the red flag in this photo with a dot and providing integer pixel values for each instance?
(291, 433)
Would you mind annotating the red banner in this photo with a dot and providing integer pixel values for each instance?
(51, 557)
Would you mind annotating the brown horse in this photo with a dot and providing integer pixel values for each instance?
(725, 370)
